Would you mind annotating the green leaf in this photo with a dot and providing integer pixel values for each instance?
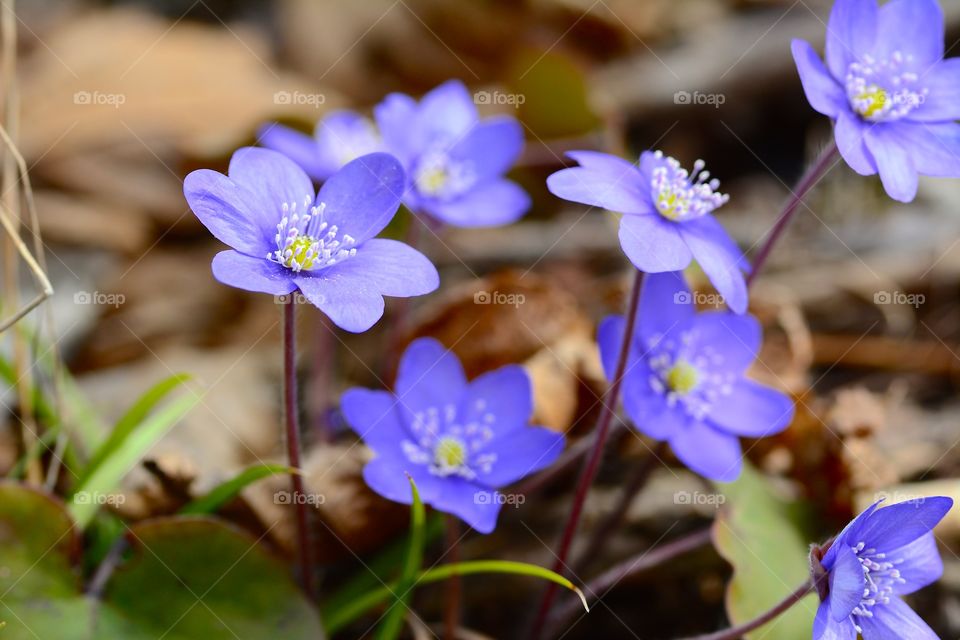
(754, 532)
(134, 416)
(86, 499)
(225, 492)
(393, 622)
(334, 620)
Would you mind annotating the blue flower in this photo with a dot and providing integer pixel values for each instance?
(882, 555)
(666, 222)
(886, 85)
(685, 382)
(338, 138)
(459, 440)
(285, 238)
(455, 162)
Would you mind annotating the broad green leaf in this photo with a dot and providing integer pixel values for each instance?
(754, 532)
(393, 622)
(334, 620)
(550, 92)
(105, 479)
(225, 492)
(134, 416)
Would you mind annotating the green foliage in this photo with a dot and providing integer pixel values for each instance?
(225, 492)
(393, 623)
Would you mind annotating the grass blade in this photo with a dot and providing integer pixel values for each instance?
(393, 623)
(225, 492)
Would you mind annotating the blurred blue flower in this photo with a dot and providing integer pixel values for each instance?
(338, 138)
(666, 221)
(886, 85)
(455, 162)
(882, 555)
(459, 440)
(685, 382)
(283, 238)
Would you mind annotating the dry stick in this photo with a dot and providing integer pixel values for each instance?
(451, 617)
(592, 464)
(737, 632)
(607, 580)
(291, 420)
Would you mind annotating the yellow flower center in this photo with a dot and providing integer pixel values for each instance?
(301, 253)
(670, 205)
(450, 453)
(432, 180)
(682, 377)
(871, 101)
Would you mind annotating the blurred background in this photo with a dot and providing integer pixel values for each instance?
(112, 103)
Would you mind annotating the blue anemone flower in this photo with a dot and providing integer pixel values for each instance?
(685, 382)
(881, 555)
(459, 440)
(284, 237)
(893, 97)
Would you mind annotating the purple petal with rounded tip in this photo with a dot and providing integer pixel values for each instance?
(492, 203)
(270, 180)
(919, 564)
(354, 304)
(609, 340)
(733, 338)
(606, 162)
(474, 504)
(520, 453)
(711, 453)
(666, 306)
(491, 147)
(501, 400)
(253, 274)
(934, 148)
(375, 417)
(942, 104)
(753, 410)
(396, 269)
(894, 162)
(446, 112)
(850, 133)
(898, 525)
(395, 120)
(654, 244)
(851, 33)
(823, 92)
(619, 191)
(429, 376)
(910, 26)
(296, 145)
(363, 196)
(223, 207)
(846, 584)
(342, 136)
(895, 620)
(720, 259)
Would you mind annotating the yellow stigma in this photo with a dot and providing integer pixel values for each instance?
(682, 377)
(432, 180)
(450, 453)
(301, 255)
(874, 99)
(668, 204)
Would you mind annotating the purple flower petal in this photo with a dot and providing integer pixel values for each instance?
(364, 195)
(914, 26)
(648, 410)
(605, 162)
(446, 112)
(707, 451)
(845, 537)
(825, 628)
(394, 116)
(296, 145)
(850, 135)
(900, 524)
(942, 104)
(491, 147)
(934, 148)
(610, 339)
(846, 584)
(894, 162)
(895, 621)
(343, 136)
(753, 410)
(396, 269)
(823, 92)
(387, 476)
(429, 376)
(270, 179)
(720, 259)
(252, 274)
(733, 338)
(225, 210)
(492, 203)
(501, 399)
(520, 453)
(375, 417)
(920, 564)
(475, 505)
(620, 191)
(851, 32)
(666, 306)
(353, 304)
(654, 244)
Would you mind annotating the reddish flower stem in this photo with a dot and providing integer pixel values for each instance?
(737, 632)
(592, 464)
(292, 422)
